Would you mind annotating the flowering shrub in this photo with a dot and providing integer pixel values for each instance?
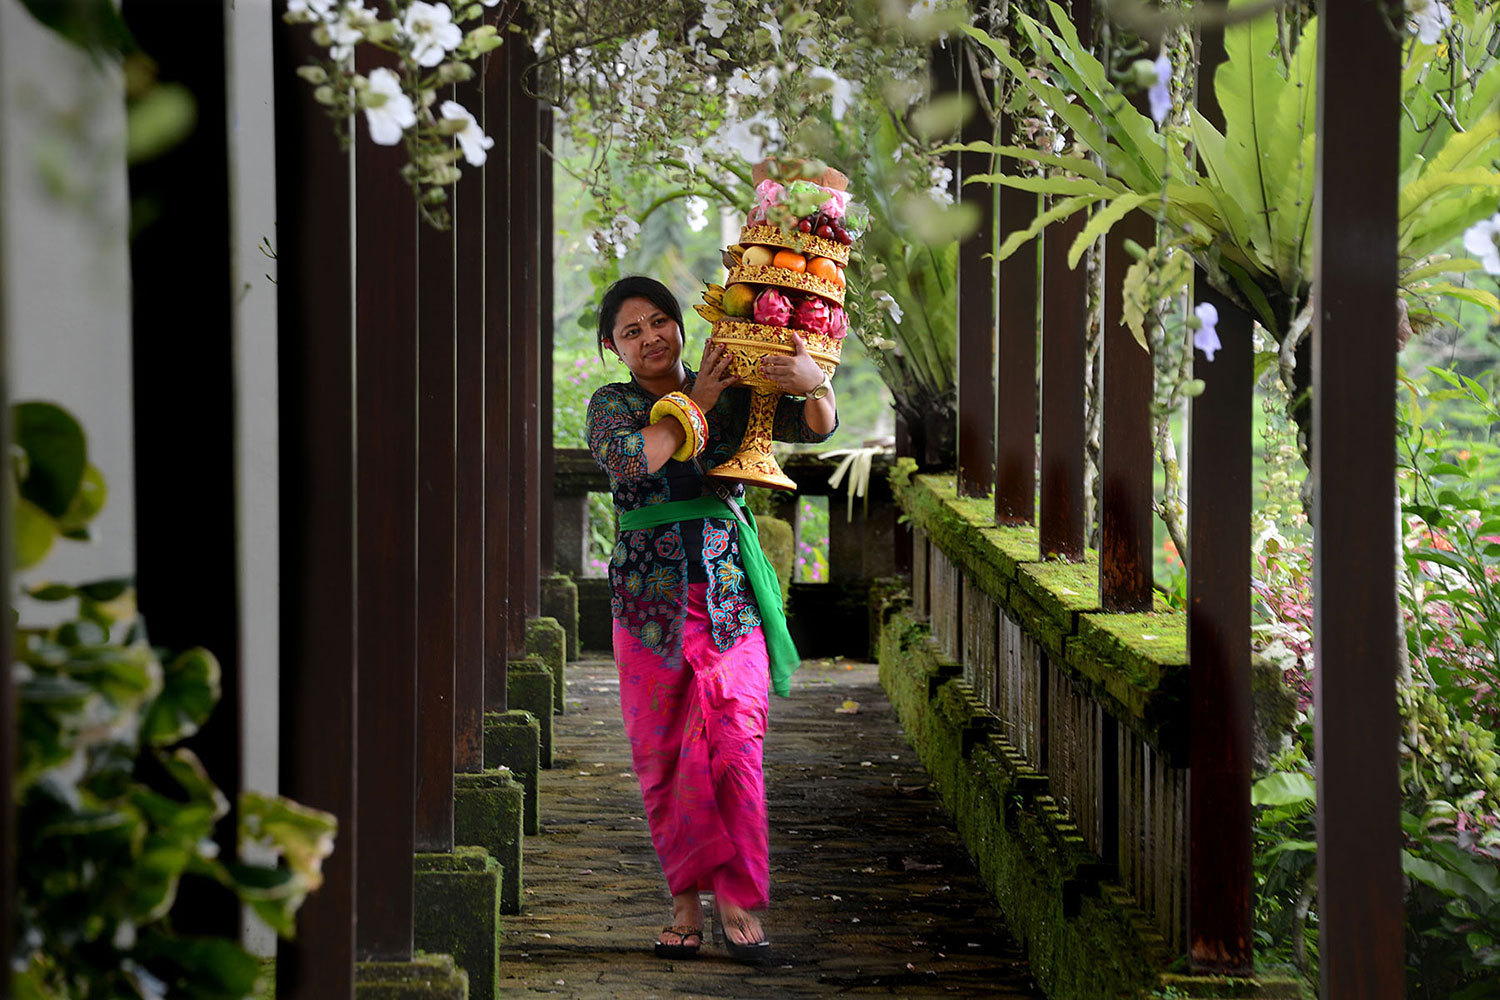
(400, 105)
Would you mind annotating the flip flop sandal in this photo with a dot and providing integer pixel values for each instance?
(750, 952)
(681, 949)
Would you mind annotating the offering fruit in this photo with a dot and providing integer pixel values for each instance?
(772, 308)
(790, 261)
(811, 315)
(759, 256)
(822, 267)
(838, 322)
(825, 231)
(804, 225)
(739, 300)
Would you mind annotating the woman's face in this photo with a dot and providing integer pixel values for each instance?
(646, 338)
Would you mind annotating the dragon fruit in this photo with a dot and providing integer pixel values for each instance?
(838, 322)
(812, 315)
(772, 308)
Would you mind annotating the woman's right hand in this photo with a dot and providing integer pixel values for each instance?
(715, 374)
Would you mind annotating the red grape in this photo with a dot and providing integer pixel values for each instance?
(804, 225)
(825, 231)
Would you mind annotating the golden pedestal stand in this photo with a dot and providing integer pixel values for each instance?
(748, 343)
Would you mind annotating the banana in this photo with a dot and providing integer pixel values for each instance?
(709, 312)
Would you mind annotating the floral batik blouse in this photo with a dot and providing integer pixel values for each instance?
(651, 567)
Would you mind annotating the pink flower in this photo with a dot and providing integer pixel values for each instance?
(767, 193)
(772, 308)
(838, 322)
(812, 315)
(836, 203)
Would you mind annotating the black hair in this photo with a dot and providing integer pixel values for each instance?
(636, 286)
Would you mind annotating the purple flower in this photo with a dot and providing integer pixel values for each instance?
(1206, 339)
(1160, 94)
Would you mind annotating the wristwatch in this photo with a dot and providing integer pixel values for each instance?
(823, 388)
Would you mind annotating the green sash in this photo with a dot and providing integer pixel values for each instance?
(763, 582)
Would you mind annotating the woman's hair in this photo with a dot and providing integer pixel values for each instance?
(633, 287)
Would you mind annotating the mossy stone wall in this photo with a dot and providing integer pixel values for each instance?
(560, 602)
(546, 640)
(529, 687)
(457, 911)
(488, 811)
(513, 740)
(425, 977)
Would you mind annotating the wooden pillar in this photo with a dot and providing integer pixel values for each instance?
(386, 407)
(181, 267)
(977, 319)
(316, 363)
(1126, 466)
(1219, 814)
(436, 523)
(1065, 316)
(1015, 354)
(469, 454)
(497, 415)
(526, 382)
(546, 339)
(1354, 369)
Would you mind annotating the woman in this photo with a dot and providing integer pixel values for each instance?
(688, 635)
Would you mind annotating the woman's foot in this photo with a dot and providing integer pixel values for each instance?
(684, 935)
(743, 936)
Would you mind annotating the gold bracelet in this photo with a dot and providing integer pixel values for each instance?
(679, 406)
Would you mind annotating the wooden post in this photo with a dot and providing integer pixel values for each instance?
(977, 320)
(436, 524)
(1065, 316)
(469, 453)
(497, 415)
(1354, 369)
(386, 405)
(188, 593)
(547, 500)
(1219, 815)
(526, 444)
(1126, 466)
(314, 317)
(1015, 355)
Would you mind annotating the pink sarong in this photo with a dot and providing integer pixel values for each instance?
(697, 724)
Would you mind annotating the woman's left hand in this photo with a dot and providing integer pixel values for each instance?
(798, 374)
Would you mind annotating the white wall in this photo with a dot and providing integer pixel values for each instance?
(66, 267)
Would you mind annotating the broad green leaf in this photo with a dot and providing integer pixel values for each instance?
(303, 836)
(1059, 210)
(1453, 265)
(190, 690)
(35, 533)
(1102, 222)
(1433, 184)
(1248, 85)
(56, 452)
(1284, 788)
(1072, 164)
(1055, 185)
(89, 499)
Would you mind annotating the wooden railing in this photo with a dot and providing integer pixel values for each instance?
(1186, 855)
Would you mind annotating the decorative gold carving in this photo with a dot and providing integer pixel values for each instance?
(787, 279)
(747, 343)
(808, 244)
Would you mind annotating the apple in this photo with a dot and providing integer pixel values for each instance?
(759, 257)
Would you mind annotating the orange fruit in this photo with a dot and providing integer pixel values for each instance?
(838, 276)
(822, 267)
(790, 261)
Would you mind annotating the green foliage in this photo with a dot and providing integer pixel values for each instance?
(112, 812)
(93, 25)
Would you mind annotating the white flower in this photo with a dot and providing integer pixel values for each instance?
(1429, 19)
(317, 8)
(697, 213)
(941, 178)
(347, 29)
(716, 19)
(540, 41)
(774, 27)
(692, 156)
(430, 29)
(1160, 93)
(388, 110)
(471, 138)
(889, 304)
(807, 47)
(921, 9)
(1482, 239)
(841, 90)
(1206, 337)
(742, 84)
(748, 138)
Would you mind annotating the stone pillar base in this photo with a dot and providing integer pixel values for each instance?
(529, 687)
(560, 601)
(513, 739)
(458, 913)
(428, 977)
(546, 640)
(487, 811)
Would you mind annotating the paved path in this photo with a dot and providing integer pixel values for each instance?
(872, 892)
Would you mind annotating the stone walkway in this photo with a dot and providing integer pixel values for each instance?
(873, 894)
